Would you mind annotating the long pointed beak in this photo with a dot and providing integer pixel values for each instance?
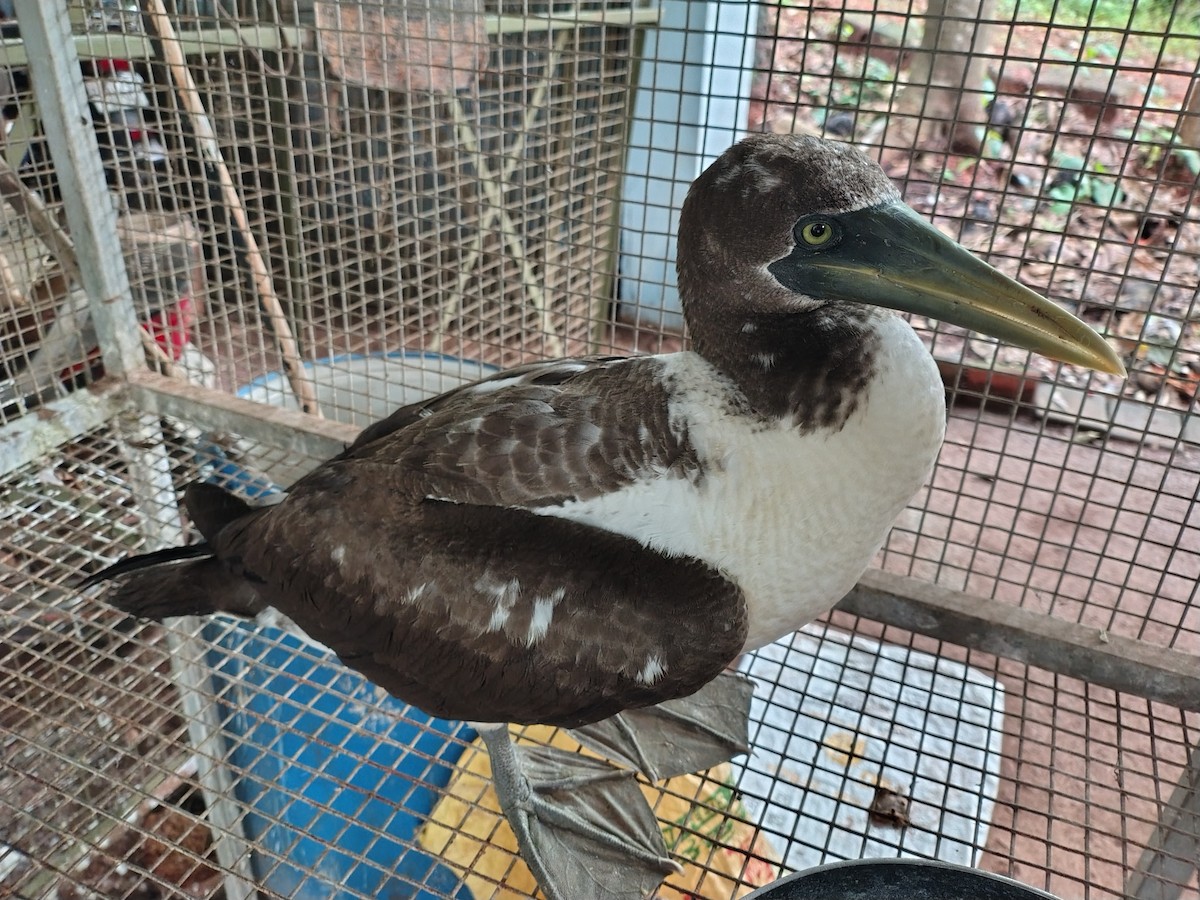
(889, 256)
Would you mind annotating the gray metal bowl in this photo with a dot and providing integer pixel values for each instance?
(896, 879)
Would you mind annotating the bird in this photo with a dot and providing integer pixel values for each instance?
(572, 540)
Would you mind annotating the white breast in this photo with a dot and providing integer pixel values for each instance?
(793, 518)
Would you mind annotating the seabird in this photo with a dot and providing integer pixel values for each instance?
(570, 539)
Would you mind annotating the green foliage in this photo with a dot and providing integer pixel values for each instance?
(993, 146)
(1100, 51)
(1076, 182)
(1175, 22)
(1119, 15)
(1154, 140)
(1190, 158)
(864, 80)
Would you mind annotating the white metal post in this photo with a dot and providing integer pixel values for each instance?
(63, 110)
(92, 221)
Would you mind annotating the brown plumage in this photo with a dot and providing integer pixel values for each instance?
(452, 595)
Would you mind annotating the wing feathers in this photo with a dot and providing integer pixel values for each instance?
(496, 614)
(416, 556)
(565, 433)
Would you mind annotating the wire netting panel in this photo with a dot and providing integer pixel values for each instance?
(991, 763)
(1104, 533)
(90, 726)
(1060, 165)
(343, 207)
(476, 220)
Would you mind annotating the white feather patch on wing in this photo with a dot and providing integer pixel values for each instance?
(542, 616)
(652, 671)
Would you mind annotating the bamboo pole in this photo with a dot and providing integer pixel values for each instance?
(189, 95)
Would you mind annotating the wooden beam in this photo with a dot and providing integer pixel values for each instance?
(1068, 648)
(286, 429)
(36, 433)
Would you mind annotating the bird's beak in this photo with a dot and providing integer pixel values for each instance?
(889, 256)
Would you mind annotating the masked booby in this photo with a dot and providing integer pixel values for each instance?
(566, 540)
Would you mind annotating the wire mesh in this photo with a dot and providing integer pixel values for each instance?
(473, 222)
(310, 234)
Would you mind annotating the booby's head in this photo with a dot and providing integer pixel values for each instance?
(788, 244)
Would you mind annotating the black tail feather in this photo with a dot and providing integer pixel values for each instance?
(185, 581)
(144, 561)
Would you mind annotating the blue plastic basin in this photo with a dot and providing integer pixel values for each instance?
(336, 776)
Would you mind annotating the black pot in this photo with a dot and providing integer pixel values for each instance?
(896, 879)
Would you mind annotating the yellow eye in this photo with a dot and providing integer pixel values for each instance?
(816, 233)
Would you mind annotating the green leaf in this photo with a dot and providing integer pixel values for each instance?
(1067, 161)
(878, 70)
(1189, 157)
(993, 146)
(1104, 191)
(1064, 192)
(1064, 197)
(1098, 50)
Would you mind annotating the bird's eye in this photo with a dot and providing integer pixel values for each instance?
(816, 233)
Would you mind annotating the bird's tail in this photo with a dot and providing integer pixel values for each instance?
(186, 581)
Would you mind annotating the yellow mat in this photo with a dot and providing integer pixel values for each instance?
(705, 827)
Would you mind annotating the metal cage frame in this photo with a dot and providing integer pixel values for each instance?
(133, 399)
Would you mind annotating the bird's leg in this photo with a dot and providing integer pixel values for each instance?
(583, 825)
